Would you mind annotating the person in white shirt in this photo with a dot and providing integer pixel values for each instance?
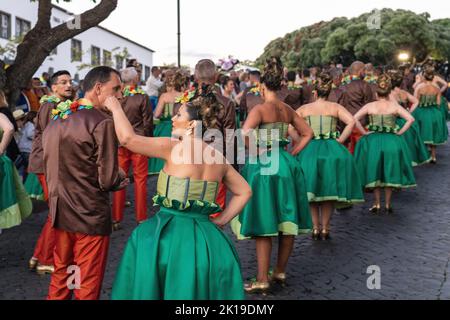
(154, 83)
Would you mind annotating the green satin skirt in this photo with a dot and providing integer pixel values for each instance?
(33, 187)
(279, 204)
(330, 172)
(383, 160)
(445, 111)
(163, 129)
(416, 146)
(179, 255)
(433, 128)
(15, 204)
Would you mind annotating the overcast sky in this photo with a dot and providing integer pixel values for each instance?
(242, 28)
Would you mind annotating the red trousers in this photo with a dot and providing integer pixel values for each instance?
(45, 245)
(80, 262)
(354, 138)
(221, 198)
(140, 173)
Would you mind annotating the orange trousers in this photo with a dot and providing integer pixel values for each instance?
(45, 245)
(80, 262)
(354, 138)
(140, 174)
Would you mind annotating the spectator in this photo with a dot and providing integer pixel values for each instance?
(244, 80)
(31, 95)
(45, 80)
(27, 125)
(154, 83)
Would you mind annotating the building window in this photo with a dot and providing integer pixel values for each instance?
(107, 58)
(119, 62)
(77, 50)
(147, 72)
(95, 56)
(22, 27)
(5, 26)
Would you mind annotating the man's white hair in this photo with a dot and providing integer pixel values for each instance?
(128, 74)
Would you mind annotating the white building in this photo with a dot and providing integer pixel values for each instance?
(96, 46)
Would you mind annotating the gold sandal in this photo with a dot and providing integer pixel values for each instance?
(43, 269)
(257, 287)
(279, 278)
(32, 264)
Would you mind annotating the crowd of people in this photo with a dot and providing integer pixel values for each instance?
(333, 134)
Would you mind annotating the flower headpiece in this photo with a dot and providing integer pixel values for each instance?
(187, 96)
(256, 90)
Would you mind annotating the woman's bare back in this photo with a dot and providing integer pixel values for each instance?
(319, 108)
(271, 112)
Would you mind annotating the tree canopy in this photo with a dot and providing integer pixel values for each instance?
(40, 41)
(344, 40)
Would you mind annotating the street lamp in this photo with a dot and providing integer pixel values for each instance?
(403, 56)
(179, 34)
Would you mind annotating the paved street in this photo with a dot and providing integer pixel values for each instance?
(411, 248)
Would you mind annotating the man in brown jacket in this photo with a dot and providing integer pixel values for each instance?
(137, 107)
(357, 93)
(81, 167)
(251, 95)
(61, 84)
(290, 93)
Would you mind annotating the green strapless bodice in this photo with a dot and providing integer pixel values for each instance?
(383, 123)
(428, 101)
(167, 112)
(324, 127)
(268, 133)
(185, 193)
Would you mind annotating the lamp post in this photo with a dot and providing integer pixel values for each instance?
(403, 56)
(179, 34)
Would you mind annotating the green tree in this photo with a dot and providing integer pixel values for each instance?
(40, 41)
(343, 40)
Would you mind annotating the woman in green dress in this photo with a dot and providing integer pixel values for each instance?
(279, 206)
(175, 84)
(15, 204)
(416, 145)
(182, 253)
(382, 156)
(330, 170)
(429, 116)
(33, 187)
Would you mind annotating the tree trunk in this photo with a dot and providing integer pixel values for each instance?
(41, 40)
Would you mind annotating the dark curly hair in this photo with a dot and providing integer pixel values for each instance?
(273, 74)
(429, 72)
(384, 85)
(176, 80)
(205, 107)
(324, 85)
(396, 77)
